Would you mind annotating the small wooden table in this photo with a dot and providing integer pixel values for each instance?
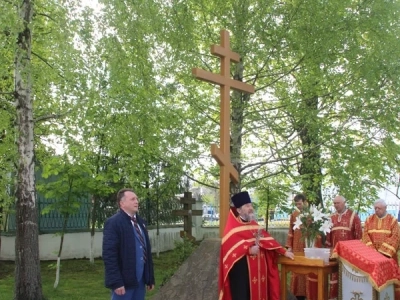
(303, 265)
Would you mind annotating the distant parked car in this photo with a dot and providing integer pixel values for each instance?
(206, 217)
(210, 217)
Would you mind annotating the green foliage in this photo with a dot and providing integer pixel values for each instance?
(208, 199)
(322, 88)
(272, 194)
(115, 89)
(183, 249)
(53, 266)
(66, 185)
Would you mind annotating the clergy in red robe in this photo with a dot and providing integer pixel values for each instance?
(346, 226)
(381, 232)
(302, 286)
(295, 243)
(247, 267)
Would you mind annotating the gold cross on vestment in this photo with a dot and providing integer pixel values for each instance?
(258, 235)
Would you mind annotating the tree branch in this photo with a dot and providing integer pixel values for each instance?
(48, 117)
(283, 75)
(45, 15)
(43, 60)
(47, 63)
(202, 183)
(382, 187)
(250, 183)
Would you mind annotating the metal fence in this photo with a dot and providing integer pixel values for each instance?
(52, 221)
(161, 210)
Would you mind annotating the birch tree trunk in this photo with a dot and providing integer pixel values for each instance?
(93, 227)
(27, 264)
(60, 250)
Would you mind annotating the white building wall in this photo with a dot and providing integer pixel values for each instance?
(77, 245)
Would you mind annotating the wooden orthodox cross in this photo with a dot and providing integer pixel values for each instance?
(187, 214)
(222, 155)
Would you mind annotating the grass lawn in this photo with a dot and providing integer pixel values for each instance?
(79, 280)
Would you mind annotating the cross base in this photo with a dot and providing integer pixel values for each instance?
(183, 234)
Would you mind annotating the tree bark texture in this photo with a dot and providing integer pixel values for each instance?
(93, 227)
(27, 264)
(239, 103)
(310, 166)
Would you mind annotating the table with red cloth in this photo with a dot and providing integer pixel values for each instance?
(380, 270)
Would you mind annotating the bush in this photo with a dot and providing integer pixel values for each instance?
(183, 249)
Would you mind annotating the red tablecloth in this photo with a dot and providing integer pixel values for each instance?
(379, 269)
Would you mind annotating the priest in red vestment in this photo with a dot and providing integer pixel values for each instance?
(381, 232)
(301, 286)
(295, 243)
(346, 226)
(247, 267)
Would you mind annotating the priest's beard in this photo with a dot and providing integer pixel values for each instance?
(248, 217)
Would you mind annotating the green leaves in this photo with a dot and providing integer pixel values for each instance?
(65, 184)
(118, 80)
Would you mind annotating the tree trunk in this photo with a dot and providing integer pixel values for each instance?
(27, 264)
(158, 222)
(57, 272)
(239, 103)
(95, 203)
(92, 249)
(92, 229)
(66, 217)
(310, 166)
(267, 210)
(2, 223)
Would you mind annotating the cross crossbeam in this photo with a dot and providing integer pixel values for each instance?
(187, 200)
(218, 79)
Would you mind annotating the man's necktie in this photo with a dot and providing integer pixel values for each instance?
(141, 238)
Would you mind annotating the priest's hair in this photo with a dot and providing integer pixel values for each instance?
(380, 201)
(340, 197)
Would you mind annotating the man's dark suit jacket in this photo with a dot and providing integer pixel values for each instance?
(119, 253)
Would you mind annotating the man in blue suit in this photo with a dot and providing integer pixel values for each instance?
(127, 251)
